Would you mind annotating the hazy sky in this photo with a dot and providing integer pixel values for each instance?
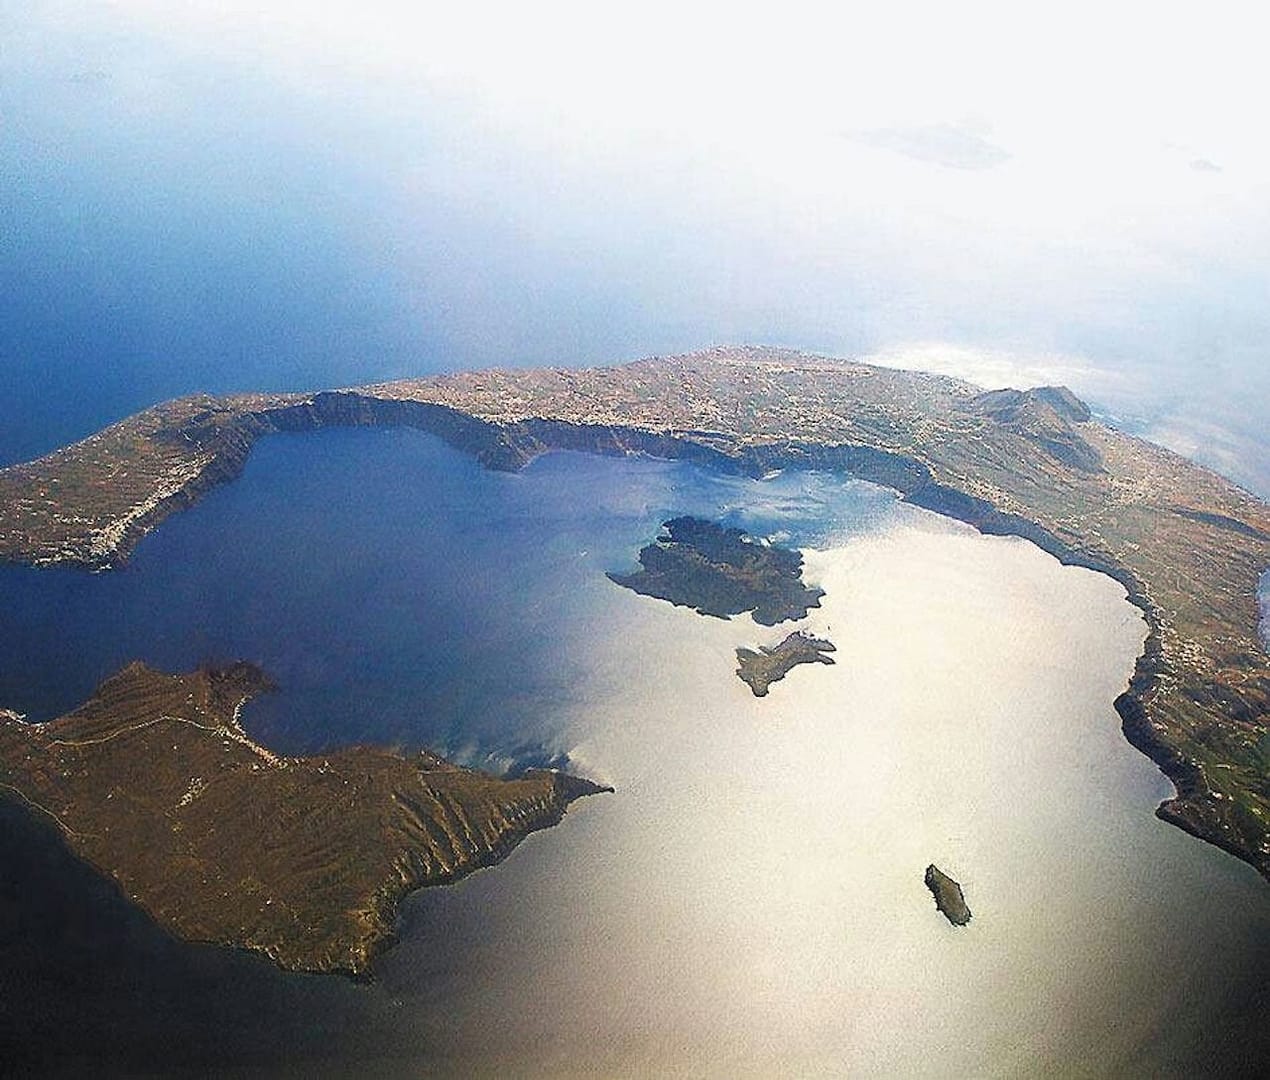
(223, 196)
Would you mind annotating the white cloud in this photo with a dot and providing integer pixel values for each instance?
(1082, 96)
(688, 159)
(951, 145)
(679, 63)
(997, 368)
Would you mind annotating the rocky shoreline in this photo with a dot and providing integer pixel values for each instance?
(1188, 546)
(758, 670)
(721, 572)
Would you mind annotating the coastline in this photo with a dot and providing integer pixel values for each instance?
(770, 852)
(1203, 663)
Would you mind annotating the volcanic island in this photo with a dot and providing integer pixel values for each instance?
(305, 859)
(721, 571)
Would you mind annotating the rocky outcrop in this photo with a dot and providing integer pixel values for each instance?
(1045, 416)
(948, 896)
(720, 571)
(772, 663)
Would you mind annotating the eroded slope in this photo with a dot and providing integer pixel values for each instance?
(305, 859)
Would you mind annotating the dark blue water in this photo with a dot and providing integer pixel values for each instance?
(397, 592)
(91, 987)
(171, 224)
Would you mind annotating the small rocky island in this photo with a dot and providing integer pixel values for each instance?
(154, 781)
(722, 572)
(948, 896)
(773, 662)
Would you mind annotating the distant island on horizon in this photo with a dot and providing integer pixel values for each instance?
(1188, 546)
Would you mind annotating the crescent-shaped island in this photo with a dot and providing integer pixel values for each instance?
(367, 825)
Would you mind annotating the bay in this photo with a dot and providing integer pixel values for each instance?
(750, 900)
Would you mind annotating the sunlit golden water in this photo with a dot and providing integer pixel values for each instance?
(751, 900)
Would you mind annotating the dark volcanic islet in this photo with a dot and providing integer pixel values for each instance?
(773, 662)
(948, 896)
(722, 572)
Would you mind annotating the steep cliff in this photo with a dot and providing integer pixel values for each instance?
(1188, 546)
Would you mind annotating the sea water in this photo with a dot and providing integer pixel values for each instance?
(750, 900)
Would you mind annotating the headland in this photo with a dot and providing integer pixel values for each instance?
(154, 781)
